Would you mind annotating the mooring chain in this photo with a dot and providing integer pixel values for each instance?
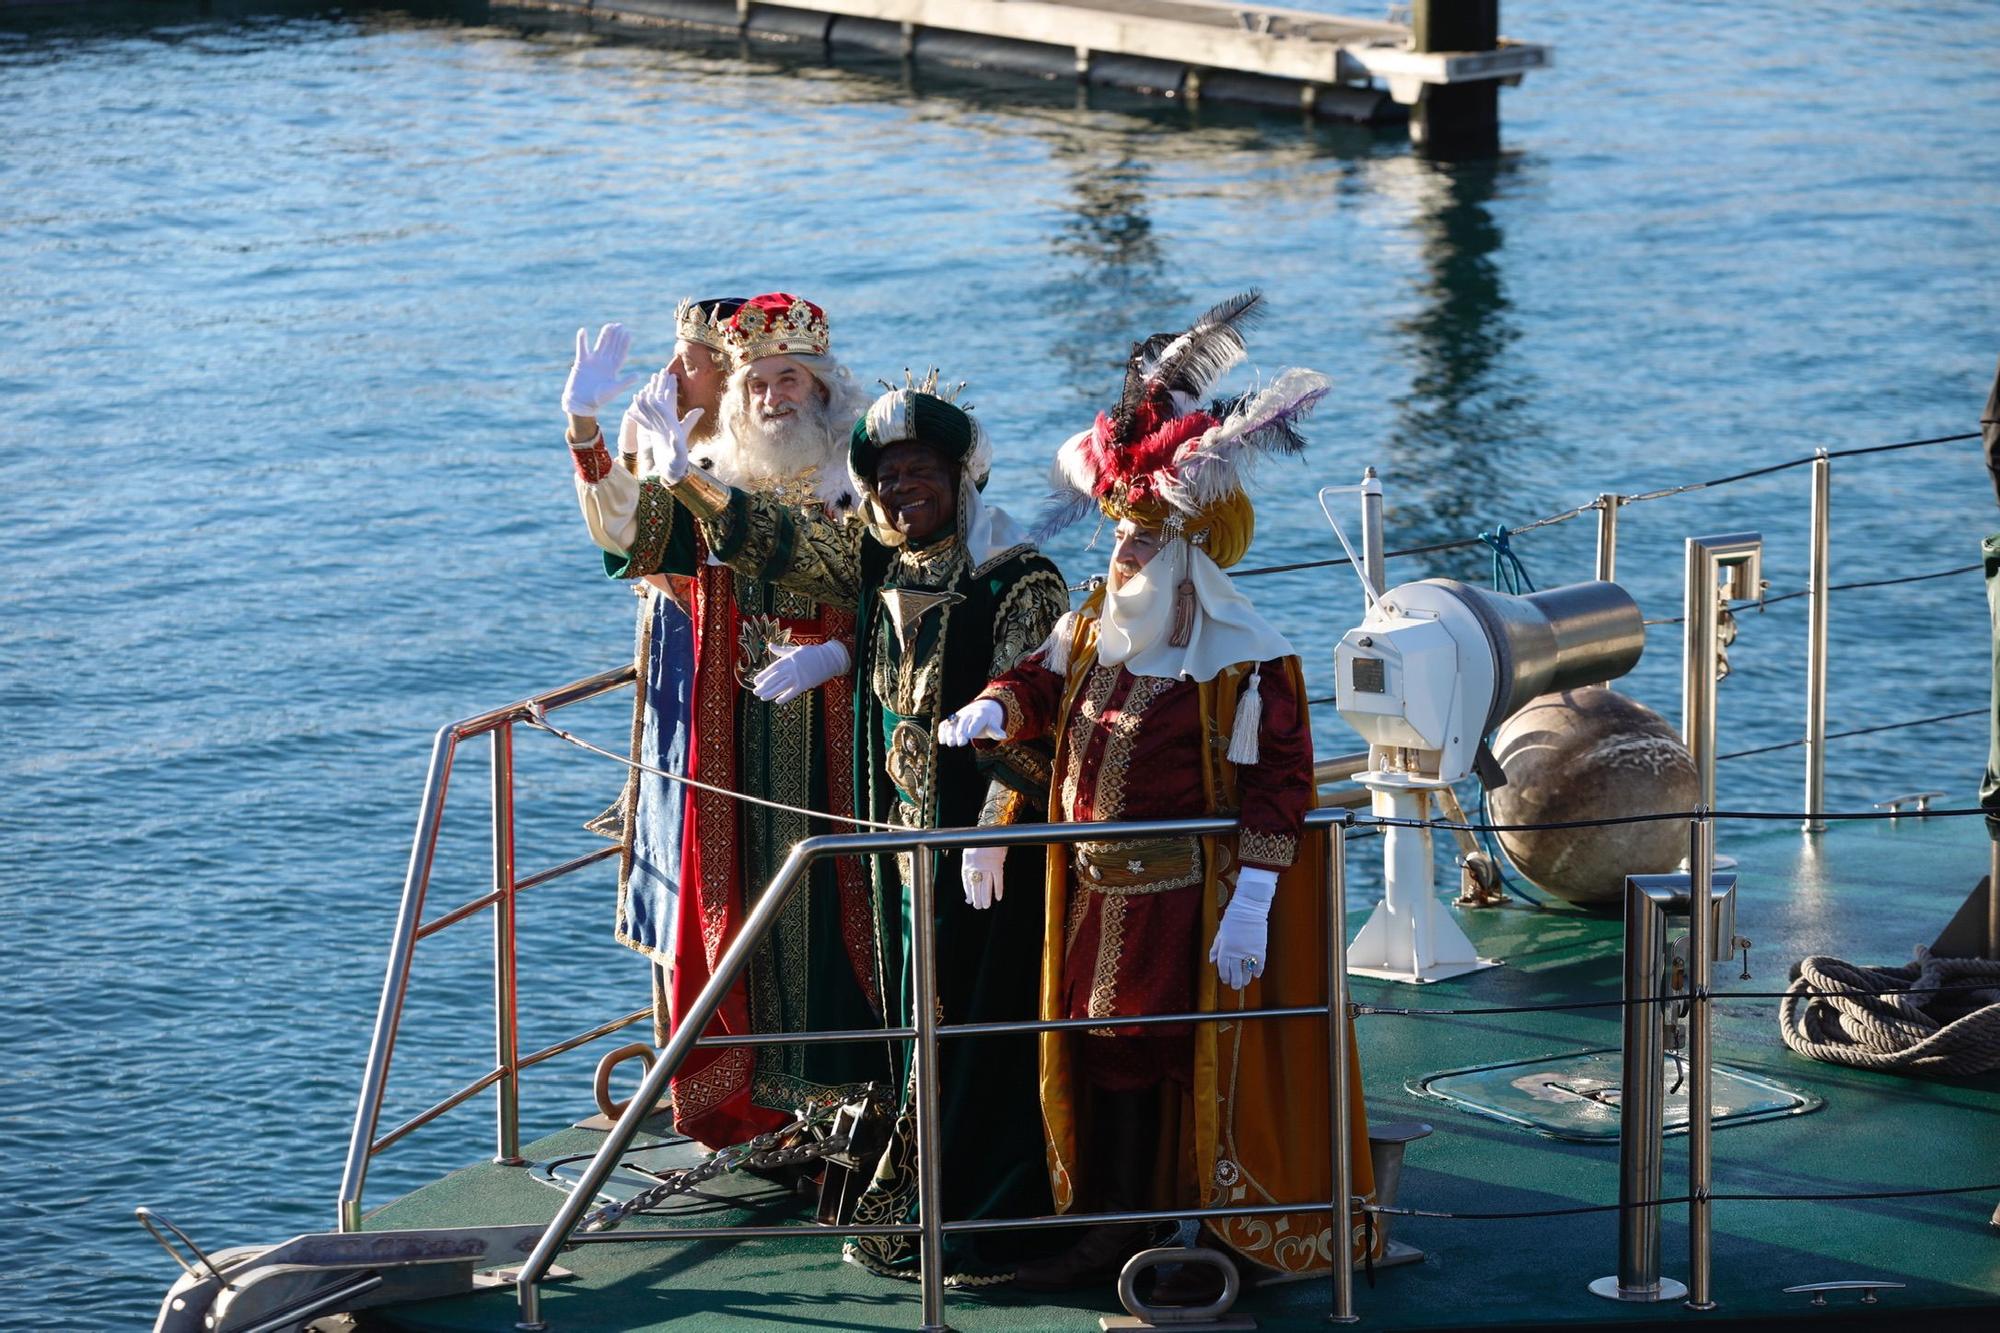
(763, 1153)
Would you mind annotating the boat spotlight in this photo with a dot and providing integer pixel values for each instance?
(1425, 678)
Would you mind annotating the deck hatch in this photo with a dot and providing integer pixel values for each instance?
(1575, 1096)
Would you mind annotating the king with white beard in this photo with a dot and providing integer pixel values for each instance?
(769, 716)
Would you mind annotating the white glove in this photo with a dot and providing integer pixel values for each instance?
(798, 669)
(1238, 951)
(628, 441)
(593, 376)
(981, 872)
(662, 431)
(980, 720)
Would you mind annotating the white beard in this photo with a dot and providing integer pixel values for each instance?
(758, 452)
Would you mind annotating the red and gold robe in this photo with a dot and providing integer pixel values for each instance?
(1129, 927)
(817, 969)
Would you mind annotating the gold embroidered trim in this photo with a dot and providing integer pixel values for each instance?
(1017, 721)
(1269, 849)
(1110, 949)
(1096, 692)
(1115, 769)
(1026, 615)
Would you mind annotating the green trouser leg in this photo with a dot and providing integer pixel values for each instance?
(1989, 788)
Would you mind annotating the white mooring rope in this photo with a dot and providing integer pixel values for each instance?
(1952, 1033)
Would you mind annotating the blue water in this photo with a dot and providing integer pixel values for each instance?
(286, 298)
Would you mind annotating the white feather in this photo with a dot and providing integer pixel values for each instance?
(1072, 470)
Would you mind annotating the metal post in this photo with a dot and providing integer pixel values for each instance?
(395, 984)
(727, 969)
(506, 1033)
(1374, 563)
(1608, 506)
(1337, 1058)
(1816, 609)
(1993, 902)
(1698, 617)
(930, 1160)
(1701, 946)
(1740, 555)
(1641, 1107)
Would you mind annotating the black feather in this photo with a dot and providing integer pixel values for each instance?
(1214, 344)
(1129, 396)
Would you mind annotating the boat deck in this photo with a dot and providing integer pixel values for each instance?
(1867, 892)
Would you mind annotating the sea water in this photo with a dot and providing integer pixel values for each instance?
(287, 295)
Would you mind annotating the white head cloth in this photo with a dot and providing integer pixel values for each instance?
(1136, 625)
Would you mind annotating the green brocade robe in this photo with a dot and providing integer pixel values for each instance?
(815, 970)
(931, 629)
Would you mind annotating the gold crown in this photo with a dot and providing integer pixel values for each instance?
(696, 323)
(799, 331)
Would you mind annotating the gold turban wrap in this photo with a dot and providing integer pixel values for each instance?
(1223, 529)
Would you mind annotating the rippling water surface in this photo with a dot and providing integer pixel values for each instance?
(286, 297)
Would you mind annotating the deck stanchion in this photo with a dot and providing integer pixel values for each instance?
(1641, 1107)
(506, 1033)
(395, 983)
(1374, 562)
(1337, 1057)
(1701, 945)
(728, 968)
(930, 1194)
(1817, 602)
(1607, 508)
(1740, 557)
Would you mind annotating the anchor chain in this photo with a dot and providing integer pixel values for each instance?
(771, 1150)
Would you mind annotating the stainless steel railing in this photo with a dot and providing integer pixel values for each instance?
(931, 1226)
(496, 724)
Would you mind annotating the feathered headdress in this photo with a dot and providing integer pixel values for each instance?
(1160, 456)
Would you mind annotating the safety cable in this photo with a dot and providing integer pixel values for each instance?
(538, 719)
(1365, 1010)
(1393, 1210)
(1639, 498)
(1858, 731)
(1684, 816)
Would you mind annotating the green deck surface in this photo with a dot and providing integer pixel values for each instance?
(1868, 893)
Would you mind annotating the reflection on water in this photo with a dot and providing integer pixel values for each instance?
(1467, 418)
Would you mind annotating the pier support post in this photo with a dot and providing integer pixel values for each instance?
(1456, 119)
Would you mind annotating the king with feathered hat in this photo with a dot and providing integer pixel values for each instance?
(1168, 695)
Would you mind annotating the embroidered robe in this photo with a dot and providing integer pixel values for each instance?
(817, 970)
(931, 627)
(1126, 937)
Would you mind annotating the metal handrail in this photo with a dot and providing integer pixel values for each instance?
(410, 927)
(931, 1226)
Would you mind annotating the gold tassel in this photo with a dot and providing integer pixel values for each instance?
(1183, 614)
(1249, 718)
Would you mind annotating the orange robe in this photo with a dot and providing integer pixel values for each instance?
(1247, 1122)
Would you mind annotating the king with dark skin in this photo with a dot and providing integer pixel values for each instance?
(918, 489)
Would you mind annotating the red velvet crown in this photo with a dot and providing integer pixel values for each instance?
(777, 324)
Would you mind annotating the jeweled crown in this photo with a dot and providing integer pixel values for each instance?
(777, 324)
(706, 322)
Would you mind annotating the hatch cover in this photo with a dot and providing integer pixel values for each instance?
(1576, 1096)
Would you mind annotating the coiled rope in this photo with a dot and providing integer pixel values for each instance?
(1950, 1033)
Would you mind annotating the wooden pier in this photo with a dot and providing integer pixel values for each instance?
(1443, 67)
